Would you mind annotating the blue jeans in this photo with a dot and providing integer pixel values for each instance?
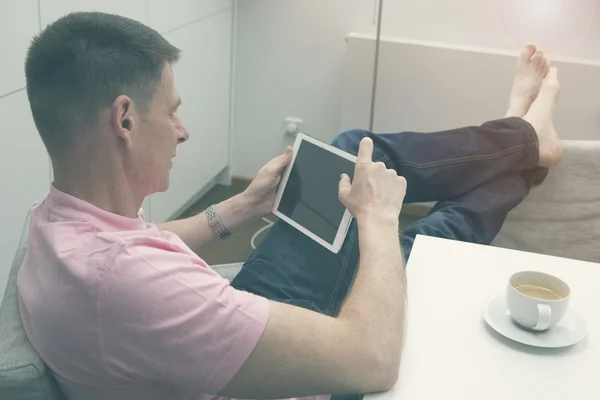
(476, 175)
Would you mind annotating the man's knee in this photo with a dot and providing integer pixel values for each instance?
(350, 140)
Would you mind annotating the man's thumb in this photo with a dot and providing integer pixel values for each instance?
(345, 187)
(282, 161)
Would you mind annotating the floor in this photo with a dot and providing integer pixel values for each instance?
(237, 248)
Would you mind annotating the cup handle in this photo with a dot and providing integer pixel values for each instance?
(544, 317)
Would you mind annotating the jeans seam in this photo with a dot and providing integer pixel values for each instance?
(384, 159)
(341, 274)
(468, 159)
(531, 129)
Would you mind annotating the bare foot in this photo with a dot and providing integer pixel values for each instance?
(532, 68)
(540, 116)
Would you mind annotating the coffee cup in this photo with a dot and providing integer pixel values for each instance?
(536, 300)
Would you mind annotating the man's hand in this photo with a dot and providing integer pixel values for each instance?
(376, 190)
(261, 192)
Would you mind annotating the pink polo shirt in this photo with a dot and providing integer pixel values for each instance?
(120, 310)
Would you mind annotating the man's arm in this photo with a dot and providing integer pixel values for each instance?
(304, 353)
(196, 231)
(256, 202)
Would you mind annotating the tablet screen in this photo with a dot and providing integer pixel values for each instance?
(311, 194)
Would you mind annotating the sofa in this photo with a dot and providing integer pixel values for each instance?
(561, 217)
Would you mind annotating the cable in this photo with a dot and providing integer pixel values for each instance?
(261, 230)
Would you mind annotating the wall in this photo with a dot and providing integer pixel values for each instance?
(458, 64)
(202, 29)
(561, 27)
(289, 53)
(289, 64)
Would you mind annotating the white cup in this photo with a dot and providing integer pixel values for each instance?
(537, 300)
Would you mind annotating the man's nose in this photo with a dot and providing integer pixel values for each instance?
(184, 133)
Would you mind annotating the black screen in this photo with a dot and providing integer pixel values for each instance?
(311, 195)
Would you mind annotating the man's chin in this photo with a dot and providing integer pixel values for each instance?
(162, 186)
(165, 186)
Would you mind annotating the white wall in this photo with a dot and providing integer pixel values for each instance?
(202, 29)
(289, 53)
(564, 27)
(51, 10)
(289, 64)
(18, 23)
(455, 81)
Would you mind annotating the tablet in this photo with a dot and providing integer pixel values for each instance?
(307, 197)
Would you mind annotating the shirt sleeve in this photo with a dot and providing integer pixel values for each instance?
(165, 316)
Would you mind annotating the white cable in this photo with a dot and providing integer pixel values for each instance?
(261, 230)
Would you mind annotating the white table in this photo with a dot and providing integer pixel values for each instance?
(449, 351)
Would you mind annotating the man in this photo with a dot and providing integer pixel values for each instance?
(122, 309)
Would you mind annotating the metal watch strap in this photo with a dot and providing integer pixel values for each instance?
(215, 223)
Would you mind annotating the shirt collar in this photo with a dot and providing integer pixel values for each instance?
(80, 208)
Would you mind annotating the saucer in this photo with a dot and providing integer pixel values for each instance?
(569, 330)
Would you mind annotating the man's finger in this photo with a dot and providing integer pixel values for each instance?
(345, 186)
(279, 163)
(365, 150)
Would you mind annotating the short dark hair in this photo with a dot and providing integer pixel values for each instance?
(81, 63)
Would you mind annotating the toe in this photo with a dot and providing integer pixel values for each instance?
(542, 64)
(528, 52)
(546, 67)
(536, 59)
(541, 55)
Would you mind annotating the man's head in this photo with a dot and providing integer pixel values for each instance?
(103, 84)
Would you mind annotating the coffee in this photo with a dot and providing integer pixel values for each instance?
(538, 292)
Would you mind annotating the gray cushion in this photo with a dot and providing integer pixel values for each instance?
(560, 217)
(23, 375)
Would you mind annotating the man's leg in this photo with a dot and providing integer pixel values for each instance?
(290, 267)
(476, 216)
(444, 165)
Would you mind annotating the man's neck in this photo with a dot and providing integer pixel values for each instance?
(108, 192)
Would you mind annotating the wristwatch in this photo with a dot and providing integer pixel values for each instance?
(215, 223)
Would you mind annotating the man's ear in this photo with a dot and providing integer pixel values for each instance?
(123, 119)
